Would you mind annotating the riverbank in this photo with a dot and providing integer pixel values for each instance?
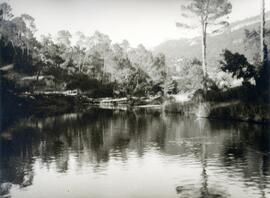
(57, 103)
(15, 106)
(234, 110)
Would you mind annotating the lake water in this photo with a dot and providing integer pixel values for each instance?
(107, 154)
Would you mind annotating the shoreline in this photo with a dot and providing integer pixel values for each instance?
(234, 111)
(42, 105)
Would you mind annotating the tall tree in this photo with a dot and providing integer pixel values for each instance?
(30, 25)
(81, 40)
(141, 58)
(100, 45)
(158, 72)
(63, 38)
(5, 12)
(206, 13)
(27, 29)
(263, 83)
(263, 44)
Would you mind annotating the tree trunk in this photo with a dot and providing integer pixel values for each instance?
(38, 74)
(166, 83)
(263, 45)
(204, 62)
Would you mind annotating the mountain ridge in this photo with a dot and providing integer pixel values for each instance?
(232, 38)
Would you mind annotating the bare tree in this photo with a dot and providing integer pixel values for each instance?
(206, 13)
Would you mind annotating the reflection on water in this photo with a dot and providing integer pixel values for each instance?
(106, 153)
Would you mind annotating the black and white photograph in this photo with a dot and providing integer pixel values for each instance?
(134, 98)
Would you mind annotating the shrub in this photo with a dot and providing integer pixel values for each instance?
(238, 65)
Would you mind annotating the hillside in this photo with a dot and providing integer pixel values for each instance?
(232, 38)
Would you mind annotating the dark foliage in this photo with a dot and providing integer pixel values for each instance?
(172, 87)
(91, 87)
(247, 93)
(7, 52)
(238, 65)
(82, 82)
(263, 79)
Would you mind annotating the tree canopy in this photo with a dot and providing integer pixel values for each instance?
(202, 14)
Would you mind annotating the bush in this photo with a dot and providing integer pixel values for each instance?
(247, 93)
(82, 82)
(191, 76)
(92, 87)
(238, 65)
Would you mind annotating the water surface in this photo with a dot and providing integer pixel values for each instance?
(107, 154)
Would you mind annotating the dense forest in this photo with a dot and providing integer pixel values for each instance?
(88, 63)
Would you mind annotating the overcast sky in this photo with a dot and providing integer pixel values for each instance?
(149, 22)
